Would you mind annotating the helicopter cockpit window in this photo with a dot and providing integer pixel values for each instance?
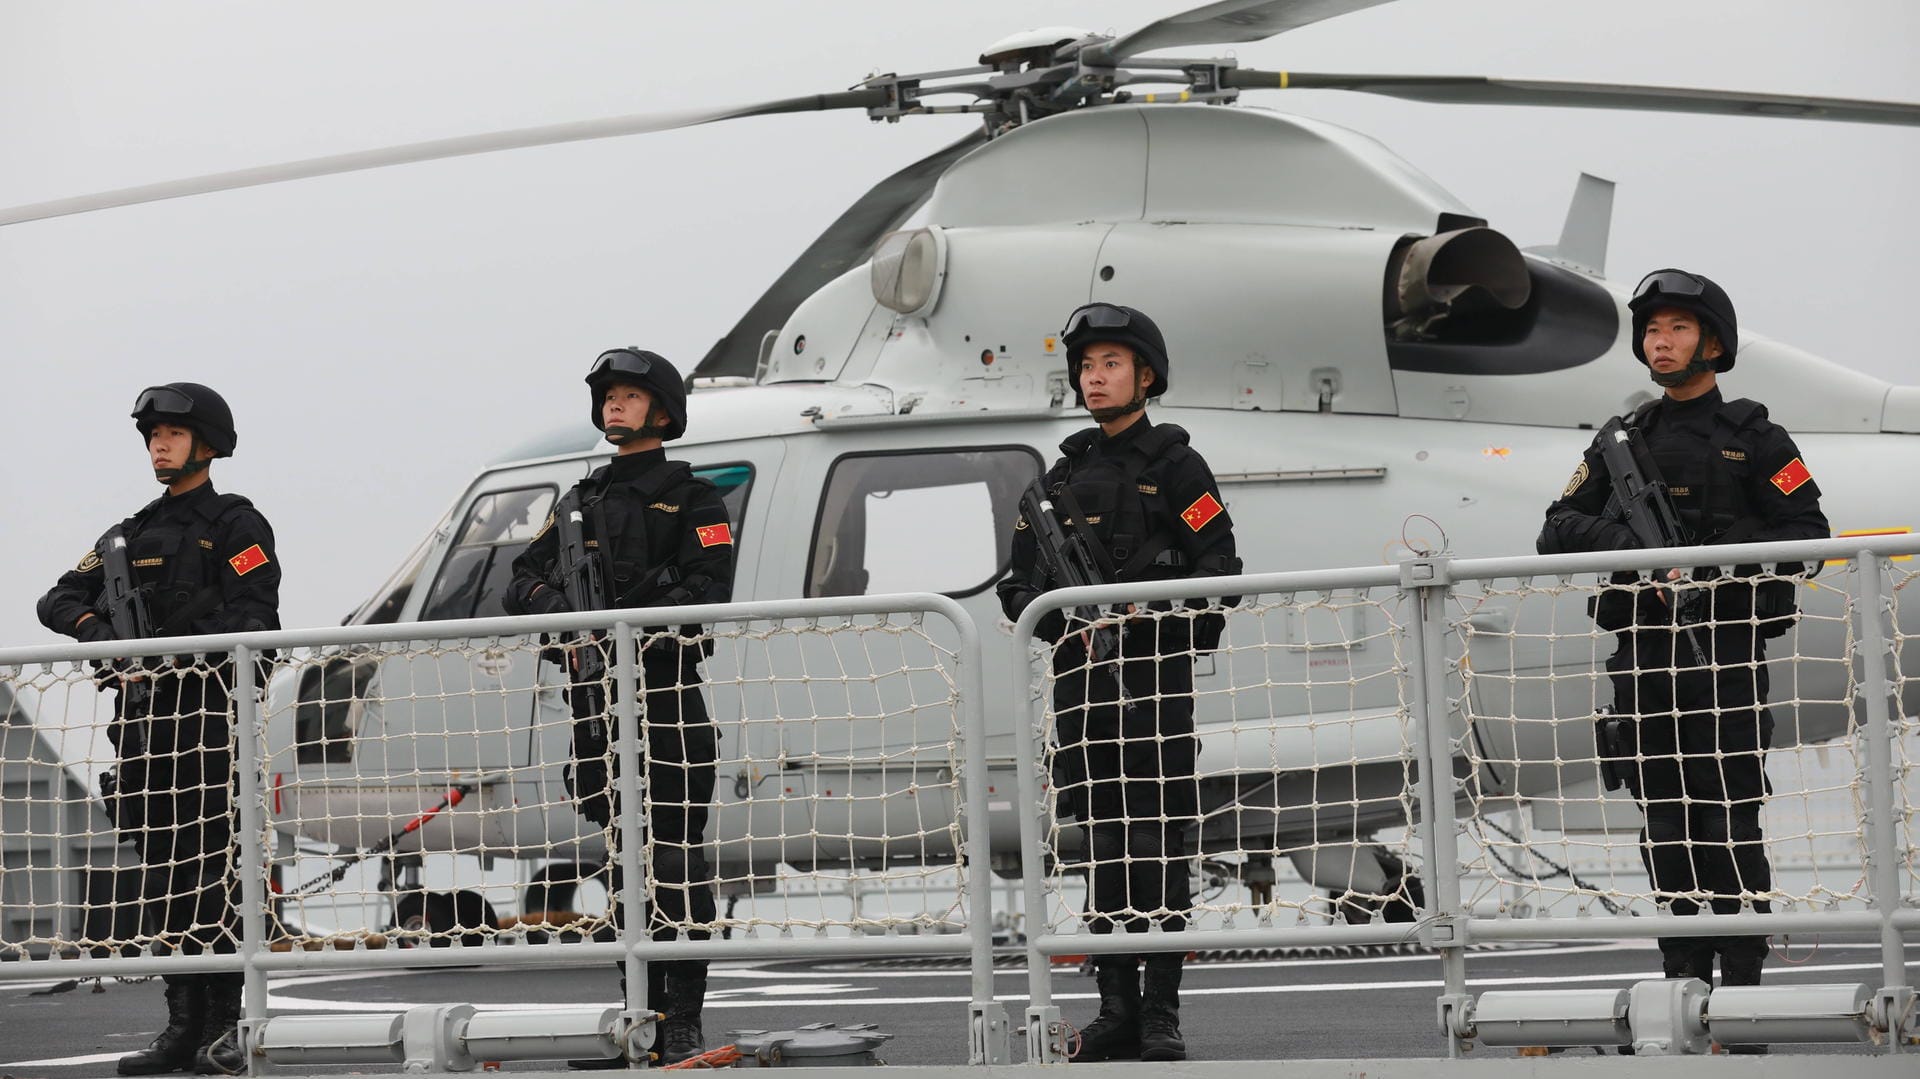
(932, 521)
(473, 577)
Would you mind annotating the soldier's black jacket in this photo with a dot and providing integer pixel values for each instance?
(1734, 476)
(661, 535)
(1150, 500)
(205, 560)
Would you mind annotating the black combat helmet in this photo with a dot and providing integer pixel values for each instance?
(651, 372)
(189, 405)
(1113, 323)
(1690, 292)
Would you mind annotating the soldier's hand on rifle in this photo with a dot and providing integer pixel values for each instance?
(547, 599)
(93, 629)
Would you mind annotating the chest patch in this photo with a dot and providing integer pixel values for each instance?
(1791, 478)
(1680, 492)
(206, 545)
(1204, 509)
(248, 560)
(149, 562)
(1734, 455)
(1148, 489)
(663, 507)
(711, 535)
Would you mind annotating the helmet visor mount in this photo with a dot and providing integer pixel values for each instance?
(619, 364)
(1669, 283)
(162, 399)
(1096, 316)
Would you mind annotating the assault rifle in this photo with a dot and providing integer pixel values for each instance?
(1646, 508)
(127, 614)
(1069, 562)
(585, 589)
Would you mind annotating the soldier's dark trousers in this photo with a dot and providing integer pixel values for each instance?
(1703, 736)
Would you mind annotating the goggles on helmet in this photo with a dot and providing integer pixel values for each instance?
(1096, 316)
(162, 399)
(619, 362)
(1670, 283)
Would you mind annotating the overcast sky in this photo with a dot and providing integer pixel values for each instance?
(381, 336)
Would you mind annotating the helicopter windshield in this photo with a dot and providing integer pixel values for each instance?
(384, 607)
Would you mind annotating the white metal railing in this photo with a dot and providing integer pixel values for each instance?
(1415, 740)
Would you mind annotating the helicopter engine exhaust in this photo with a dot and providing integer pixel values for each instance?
(1453, 276)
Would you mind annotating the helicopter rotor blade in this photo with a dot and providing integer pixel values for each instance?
(1225, 23)
(436, 149)
(1479, 90)
(845, 242)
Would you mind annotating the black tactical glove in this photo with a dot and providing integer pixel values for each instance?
(547, 600)
(94, 630)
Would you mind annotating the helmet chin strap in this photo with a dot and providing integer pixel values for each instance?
(1681, 376)
(195, 463)
(620, 436)
(1114, 412)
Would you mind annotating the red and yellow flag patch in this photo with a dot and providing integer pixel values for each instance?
(1792, 477)
(710, 535)
(248, 560)
(1204, 509)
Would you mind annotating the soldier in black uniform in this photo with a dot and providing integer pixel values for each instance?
(1699, 722)
(1125, 746)
(663, 539)
(206, 564)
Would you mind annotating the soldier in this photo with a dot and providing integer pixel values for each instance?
(200, 562)
(1700, 725)
(1125, 746)
(661, 538)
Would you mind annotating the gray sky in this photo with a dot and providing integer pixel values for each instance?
(383, 335)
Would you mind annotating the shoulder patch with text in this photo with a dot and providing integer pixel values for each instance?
(711, 535)
(88, 563)
(548, 523)
(248, 560)
(1204, 509)
(1792, 477)
(1579, 477)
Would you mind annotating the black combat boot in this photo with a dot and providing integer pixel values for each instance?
(680, 1035)
(1114, 1034)
(1160, 1010)
(219, 1050)
(173, 1050)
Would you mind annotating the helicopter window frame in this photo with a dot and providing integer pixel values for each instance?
(474, 589)
(1007, 511)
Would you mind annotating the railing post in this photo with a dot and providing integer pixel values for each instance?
(249, 833)
(627, 832)
(1872, 602)
(1045, 1034)
(1443, 926)
(988, 1035)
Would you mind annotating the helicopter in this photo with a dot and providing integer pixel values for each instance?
(1375, 396)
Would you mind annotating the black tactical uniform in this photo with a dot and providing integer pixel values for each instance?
(1700, 722)
(1124, 753)
(206, 564)
(662, 538)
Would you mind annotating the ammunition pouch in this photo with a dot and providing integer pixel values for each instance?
(1775, 605)
(124, 803)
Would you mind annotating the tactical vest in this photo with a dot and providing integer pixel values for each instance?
(643, 518)
(1135, 539)
(176, 563)
(1707, 477)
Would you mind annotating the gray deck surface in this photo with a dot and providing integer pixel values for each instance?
(1295, 1007)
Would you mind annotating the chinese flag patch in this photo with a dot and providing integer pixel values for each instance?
(1204, 509)
(248, 560)
(1792, 477)
(712, 534)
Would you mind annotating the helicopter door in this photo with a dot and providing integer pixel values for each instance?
(477, 694)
